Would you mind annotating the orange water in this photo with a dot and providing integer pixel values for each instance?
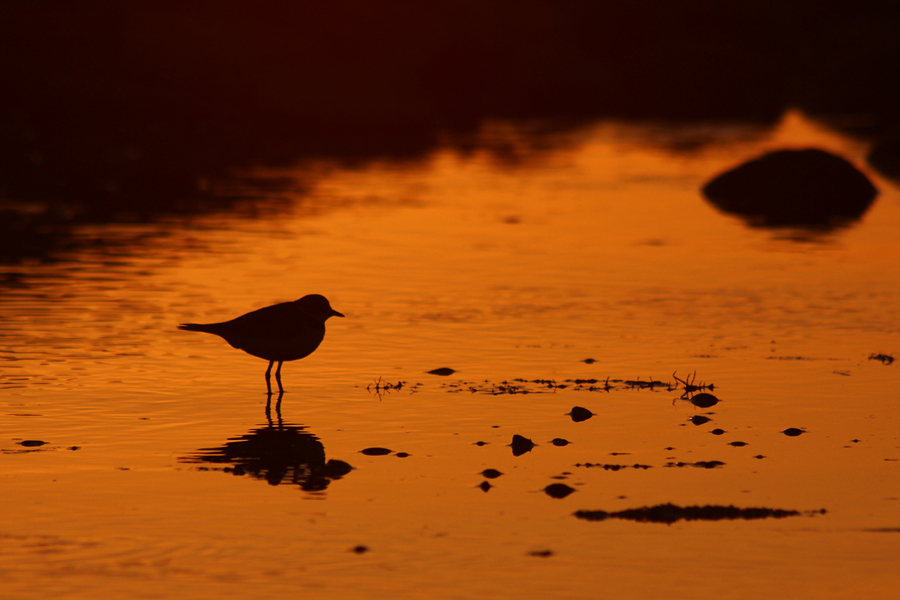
(521, 267)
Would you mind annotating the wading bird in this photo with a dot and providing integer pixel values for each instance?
(277, 333)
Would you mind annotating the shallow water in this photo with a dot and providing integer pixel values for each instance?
(503, 267)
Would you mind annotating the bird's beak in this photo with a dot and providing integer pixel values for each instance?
(335, 313)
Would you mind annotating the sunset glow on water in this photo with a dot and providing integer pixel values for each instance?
(592, 256)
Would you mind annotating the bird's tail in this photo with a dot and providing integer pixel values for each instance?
(195, 327)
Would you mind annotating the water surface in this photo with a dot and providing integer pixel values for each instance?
(589, 258)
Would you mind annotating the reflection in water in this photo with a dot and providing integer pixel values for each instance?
(277, 453)
(278, 333)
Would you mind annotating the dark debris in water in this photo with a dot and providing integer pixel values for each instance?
(737, 444)
(442, 371)
(484, 486)
(699, 420)
(535, 386)
(703, 400)
(579, 414)
(703, 464)
(558, 490)
(793, 431)
(520, 445)
(717, 431)
(541, 553)
(671, 513)
(609, 467)
(560, 442)
(376, 451)
(32, 443)
(884, 359)
(491, 473)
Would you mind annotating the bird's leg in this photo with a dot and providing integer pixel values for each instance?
(278, 409)
(278, 377)
(269, 376)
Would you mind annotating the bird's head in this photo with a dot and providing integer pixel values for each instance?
(317, 306)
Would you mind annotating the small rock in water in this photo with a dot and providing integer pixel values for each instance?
(560, 442)
(558, 490)
(360, 549)
(521, 445)
(717, 431)
(484, 486)
(491, 473)
(541, 553)
(376, 451)
(737, 444)
(580, 414)
(704, 400)
(443, 371)
(32, 443)
(402, 455)
(699, 419)
(793, 431)
(589, 361)
(480, 443)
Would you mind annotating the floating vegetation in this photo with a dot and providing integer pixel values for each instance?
(608, 467)
(671, 513)
(884, 359)
(380, 387)
(703, 464)
(688, 385)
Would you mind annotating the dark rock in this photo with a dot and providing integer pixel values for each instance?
(580, 414)
(704, 400)
(560, 442)
(717, 431)
(793, 431)
(443, 371)
(520, 445)
(558, 490)
(793, 188)
(737, 444)
(376, 451)
(491, 473)
(484, 486)
(699, 420)
(32, 443)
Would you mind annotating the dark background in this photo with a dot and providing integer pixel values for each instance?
(129, 110)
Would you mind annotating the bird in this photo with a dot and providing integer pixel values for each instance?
(278, 333)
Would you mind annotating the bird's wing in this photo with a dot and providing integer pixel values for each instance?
(276, 322)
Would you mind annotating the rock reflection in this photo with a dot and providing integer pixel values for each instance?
(277, 453)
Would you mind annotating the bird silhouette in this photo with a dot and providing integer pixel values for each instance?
(277, 333)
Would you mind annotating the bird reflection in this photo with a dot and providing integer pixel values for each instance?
(278, 453)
